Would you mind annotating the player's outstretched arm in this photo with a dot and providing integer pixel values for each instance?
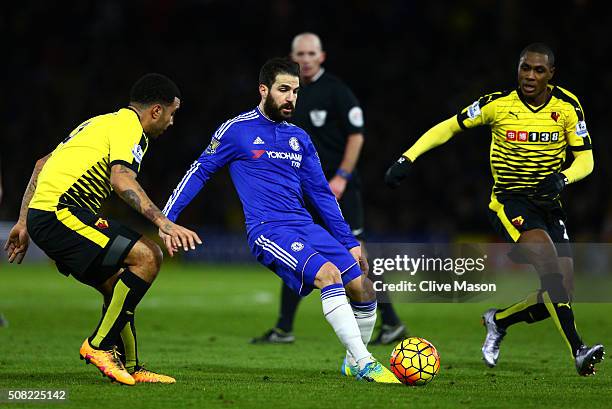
(552, 185)
(123, 180)
(434, 137)
(18, 241)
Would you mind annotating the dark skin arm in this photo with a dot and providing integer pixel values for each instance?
(123, 181)
(18, 241)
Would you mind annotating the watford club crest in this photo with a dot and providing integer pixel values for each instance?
(518, 221)
(101, 224)
(554, 115)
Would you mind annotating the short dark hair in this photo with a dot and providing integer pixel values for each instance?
(154, 88)
(540, 48)
(275, 66)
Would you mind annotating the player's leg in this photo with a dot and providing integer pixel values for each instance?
(361, 311)
(391, 327)
(364, 305)
(339, 314)
(510, 220)
(128, 345)
(543, 256)
(122, 293)
(282, 332)
(289, 304)
(142, 266)
(83, 245)
(532, 309)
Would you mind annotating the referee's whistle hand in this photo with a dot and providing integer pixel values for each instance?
(397, 172)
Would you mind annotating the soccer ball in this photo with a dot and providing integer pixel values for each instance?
(415, 361)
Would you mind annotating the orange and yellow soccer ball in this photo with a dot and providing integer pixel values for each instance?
(415, 361)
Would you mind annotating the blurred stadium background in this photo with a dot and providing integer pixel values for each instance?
(410, 63)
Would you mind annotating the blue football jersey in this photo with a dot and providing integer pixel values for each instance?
(274, 166)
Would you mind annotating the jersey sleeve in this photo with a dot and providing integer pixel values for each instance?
(479, 113)
(128, 144)
(317, 191)
(219, 152)
(351, 114)
(576, 133)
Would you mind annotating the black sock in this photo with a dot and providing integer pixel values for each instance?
(289, 304)
(129, 355)
(529, 310)
(388, 315)
(557, 302)
(127, 293)
(538, 312)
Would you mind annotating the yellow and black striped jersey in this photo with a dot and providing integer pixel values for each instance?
(78, 172)
(528, 143)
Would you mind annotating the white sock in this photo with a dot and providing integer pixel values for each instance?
(365, 315)
(340, 316)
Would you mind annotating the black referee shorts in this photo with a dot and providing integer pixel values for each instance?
(82, 244)
(512, 215)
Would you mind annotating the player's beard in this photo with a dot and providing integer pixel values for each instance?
(274, 111)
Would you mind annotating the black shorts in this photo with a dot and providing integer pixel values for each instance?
(512, 215)
(82, 244)
(352, 209)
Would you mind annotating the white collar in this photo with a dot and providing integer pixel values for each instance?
(317, 75)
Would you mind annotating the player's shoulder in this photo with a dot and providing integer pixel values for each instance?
(237, 123)
(565, 95)
(494, 96)
(124, 119)
(293, 128)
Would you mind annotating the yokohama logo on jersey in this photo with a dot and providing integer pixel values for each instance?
(257, 153)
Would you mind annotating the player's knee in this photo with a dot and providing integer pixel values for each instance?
(145, 259)
(361, 289)
(328, 274)
(153, 257)
(540, 251)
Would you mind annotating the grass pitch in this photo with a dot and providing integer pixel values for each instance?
(195, 324)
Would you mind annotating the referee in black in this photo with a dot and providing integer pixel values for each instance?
(329, 112)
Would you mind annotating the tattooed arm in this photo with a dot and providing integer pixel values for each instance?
(18, 240)
(123, 180)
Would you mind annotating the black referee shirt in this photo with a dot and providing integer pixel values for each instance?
(328, 111)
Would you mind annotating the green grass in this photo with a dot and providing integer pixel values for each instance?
(195, 324)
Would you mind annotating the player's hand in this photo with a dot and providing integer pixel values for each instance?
(337, 184)
(398, 172)
(175, 237)
(167, 239)
(17, 244)
(551, 185)
(363, 262)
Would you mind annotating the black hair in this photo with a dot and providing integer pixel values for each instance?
(540, 48)
(154, 88)
(275, 66)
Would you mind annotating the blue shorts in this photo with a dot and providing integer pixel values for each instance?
(297, 252)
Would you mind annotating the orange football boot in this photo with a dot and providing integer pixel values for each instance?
(107, 362)
(142, 375)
